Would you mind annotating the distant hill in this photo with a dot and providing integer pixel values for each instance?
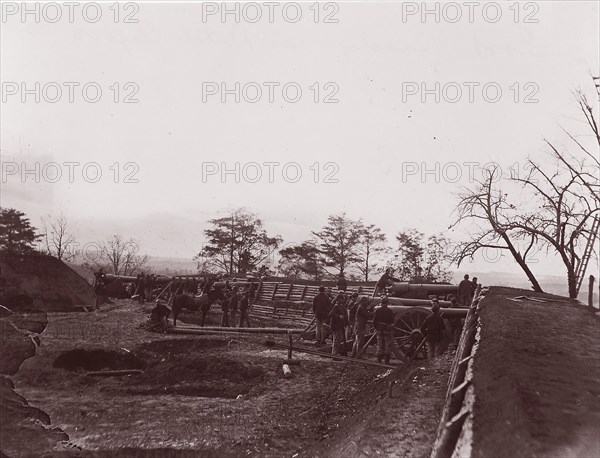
(170, 266)
(157, 265)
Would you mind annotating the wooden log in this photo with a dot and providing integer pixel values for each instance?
(591, 292)
(364, 348)
(163, 291)
(199, 330)
(309, 325)
(114, 373)
(274, 291)
(303, 292)
(335, 357)
(287, 372)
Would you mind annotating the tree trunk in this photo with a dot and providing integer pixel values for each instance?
(534, 283)
(572, 283)
(517, 256)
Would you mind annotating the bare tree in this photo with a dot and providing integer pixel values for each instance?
(492, 217)
(568, 198)
(122, 255)
(562, 202)
(59, 237)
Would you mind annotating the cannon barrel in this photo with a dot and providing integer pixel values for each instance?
(166, 279)
(235, 283)
(398, 304)
(401, 288)
(130, 278)
(445, 312)
(415, 302)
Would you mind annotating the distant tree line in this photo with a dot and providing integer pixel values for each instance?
(239, 244)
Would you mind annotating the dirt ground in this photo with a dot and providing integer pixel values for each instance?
(537, 373)
(221, 395)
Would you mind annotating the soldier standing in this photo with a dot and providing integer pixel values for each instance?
(383, 321)
(473, 287)
(141, 287)
(233, 305)
(465, 287)
(99, 287)
(363, 315)
(352, 306)
(433, 330)
(337, 320)
(342, 284)
(321, 306)
(225, 309)
(244, 306)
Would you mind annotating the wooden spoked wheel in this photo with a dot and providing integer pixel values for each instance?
(407, 331)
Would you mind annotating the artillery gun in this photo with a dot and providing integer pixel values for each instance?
(411, 306)
(405, 289)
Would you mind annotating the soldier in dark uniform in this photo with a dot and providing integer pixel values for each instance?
(99, 287)
(384, 281)
(352, 306)
(225, 309)
(465, 290)
(434, 331)
(141, 288)
(244, 306)
(159, 317)
(342, 284)
(383, 321)
(337, 324)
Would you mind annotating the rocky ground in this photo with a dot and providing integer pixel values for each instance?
(220, 395)
(24, 429)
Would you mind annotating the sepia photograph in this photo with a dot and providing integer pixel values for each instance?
(362, 228)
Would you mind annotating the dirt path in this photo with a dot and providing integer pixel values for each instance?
(403, 426)
(220, 395)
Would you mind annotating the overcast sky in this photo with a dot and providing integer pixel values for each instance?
(373, 63)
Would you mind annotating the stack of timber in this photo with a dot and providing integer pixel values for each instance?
(277, 291)
(297, 313)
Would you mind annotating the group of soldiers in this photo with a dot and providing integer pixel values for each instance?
(347, 316)
(237, 298)
(466, 290)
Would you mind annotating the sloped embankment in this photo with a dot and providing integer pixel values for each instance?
(44, 283)
(536, 375)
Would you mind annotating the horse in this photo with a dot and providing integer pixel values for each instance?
(194, 303)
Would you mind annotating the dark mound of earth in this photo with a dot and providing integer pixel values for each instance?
(42, 282)
(97, 360)
(198, 376)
